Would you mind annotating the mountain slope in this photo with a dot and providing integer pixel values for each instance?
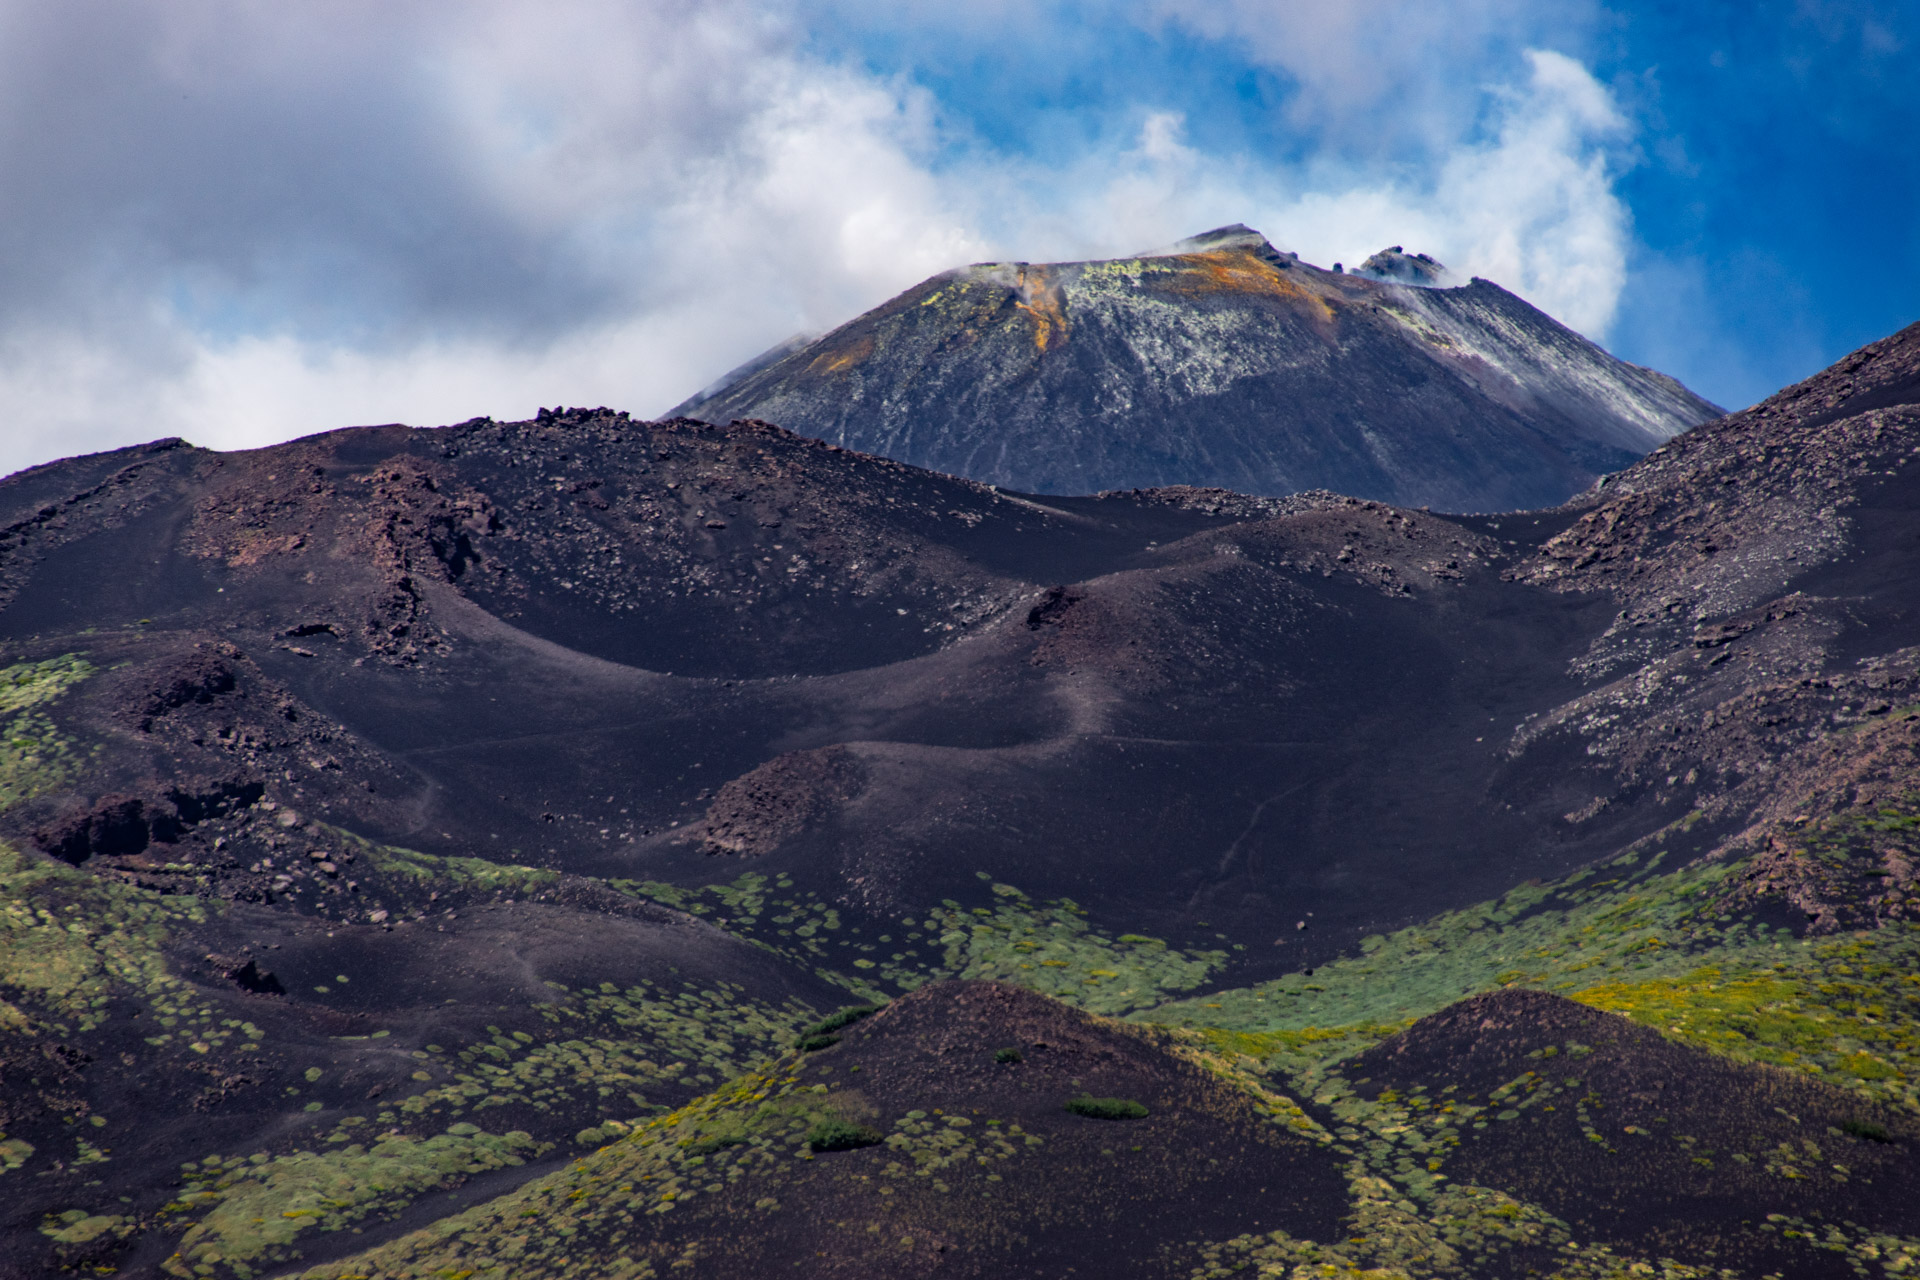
(970, 1163)
(1650, 1145)
(1221, 362)
(392, 816)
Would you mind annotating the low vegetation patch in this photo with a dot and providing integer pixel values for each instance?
(1866, 1129)
(840, 1020)
(1107, 1108)
(1048, 947)
(842, 1135)
(34, 756)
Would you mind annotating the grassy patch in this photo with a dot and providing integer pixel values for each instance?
(1107, 1108)
(842, 1019)
(70, 942)
(1844, 1009)
(609, 1047)
(35, 757)
(834, 1134)
(251, 1211)
(1049, 947)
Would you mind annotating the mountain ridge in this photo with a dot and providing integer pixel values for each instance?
(1223, 362)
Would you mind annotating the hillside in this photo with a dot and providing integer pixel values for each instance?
(1222, 362)
(395, 818)
(935, 1137)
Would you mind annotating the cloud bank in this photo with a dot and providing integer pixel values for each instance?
(240, 223)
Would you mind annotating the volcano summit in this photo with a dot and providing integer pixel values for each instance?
(1222, 361)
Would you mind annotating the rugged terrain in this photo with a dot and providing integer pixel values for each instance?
(1222, 361)
(425, 849)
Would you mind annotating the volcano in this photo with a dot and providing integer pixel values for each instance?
(1222, 361)
(596, 846)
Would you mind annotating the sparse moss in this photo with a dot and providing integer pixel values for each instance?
(69, 941)
(1048, 947)
(842, 1135)
(35, 757)
(1106, 1108)
(1866, 1130)
(842, 1019)
(13, 1153)
(253, 1214)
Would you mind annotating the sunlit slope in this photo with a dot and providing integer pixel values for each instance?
(1224, 363)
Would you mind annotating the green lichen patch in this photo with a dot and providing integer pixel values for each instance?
(577, 1080)
(1659, 948)
(891, 1151)
(249, 1213)
(1467, 1231)
(1624, 919)
(77, 1226)
(611, 1047)
(1845, 1010)
(70, 942)
(1049, 947)
(35, 757)
(746, 1131)
(443, 872)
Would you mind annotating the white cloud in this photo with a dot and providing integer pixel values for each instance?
(1380, 76)
(239, 224)
(1526, 201)
(1532, 207)
(603, 202)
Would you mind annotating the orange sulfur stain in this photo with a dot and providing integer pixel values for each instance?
(1235, 271)
(1045, 304)
(845, 358)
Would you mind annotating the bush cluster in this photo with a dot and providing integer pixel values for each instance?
(842, 1135)
(820, 1034)
(1106, 1108)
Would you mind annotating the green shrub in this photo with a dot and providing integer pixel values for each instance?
(1007, 1055)
(1106, 1108)
(1866, 1129)
(844, 1018)
(842, 1135)
(811, 1043)
(715, 1142)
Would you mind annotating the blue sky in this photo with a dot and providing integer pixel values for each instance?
(1771, 164)
(239, 222)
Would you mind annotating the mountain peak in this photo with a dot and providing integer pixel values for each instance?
(1394, 264)
(1235, 235)
(1220, 361)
